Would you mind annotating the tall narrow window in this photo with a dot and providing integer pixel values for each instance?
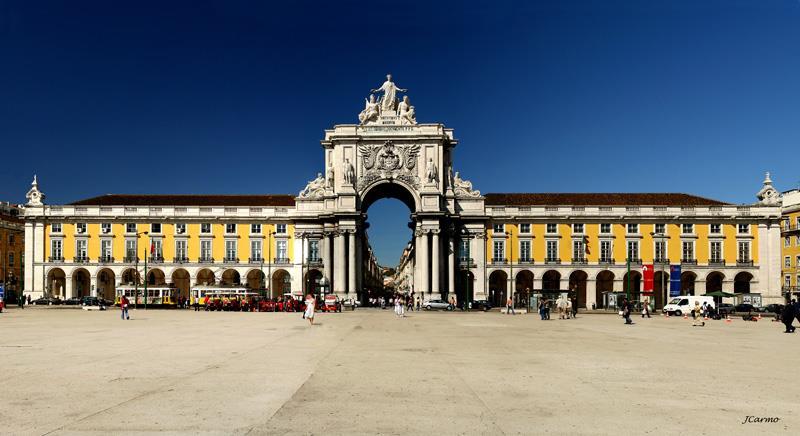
(180, 250)
(524, 251)
(130, 250)
(660, 251)
(499, 252)
(80, 250)
(578, 250)
(105, 250)
(463, 252)
(552, 251)
(688, 251)
(744, 251)
(205, 250)
(230, 250)
(633, 251)
(313, 251)
(157, 251)
(255, 250)
(55, 249)
(281, 252)
(716, 251)
(605, 251)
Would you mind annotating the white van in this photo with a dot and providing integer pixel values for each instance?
(685, 304)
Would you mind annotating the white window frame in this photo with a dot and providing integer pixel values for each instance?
(106, 248)
(628, 252)
(787, 281)
(718, 228)
(156, 228)
(229, 227)
(610, 228)
(128, 228)
(313, 250)
(256, 250)
(720, 255)
(554, 244)
(498, 250)
(610, 252)
(525, 252)
(663, 229)
(231, 249)
(105, 228)
(80, 228)
(181, 249)
(635, 227)
(55, 228)
(158, 249)
(282, 249)
(746, 228)
(739, 246)
(787, 241)
(787, 262)
(280, 229)
(498, 228)
(525, 228)
(128, 243)
(206, 249)
(464, 250)
(547, 228)
(57, 248)
(578, 228)
(656, 250)
(690, 226)
(180, 228)
(683, 250)
(205, 228)
(81, 248)
(255, 228)
(578, 249)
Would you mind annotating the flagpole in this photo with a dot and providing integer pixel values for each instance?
(145, 273)
(627, 291)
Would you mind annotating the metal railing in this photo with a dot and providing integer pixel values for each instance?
(130, 259)
(206, 259)
(688, 261)
(106, 259)
(499, 260)
(257, 259)
(281, 261)
(230, 260)
(552, 261)
(156, 259)
(55, 259)
(180, 259)
(579, 261)
(743, 262)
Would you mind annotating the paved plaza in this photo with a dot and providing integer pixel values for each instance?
(69, 371)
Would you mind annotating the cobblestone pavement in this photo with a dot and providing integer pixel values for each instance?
(69, 371)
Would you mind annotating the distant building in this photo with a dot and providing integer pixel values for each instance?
(790, 243)
(12, 249)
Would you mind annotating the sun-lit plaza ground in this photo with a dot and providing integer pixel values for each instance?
(69, 371)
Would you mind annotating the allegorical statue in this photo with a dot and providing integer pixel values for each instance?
(349, 172)
(389, 99)
(314, 186)
(370, 112)
(406, 112)
(331, 176)
(431, 174)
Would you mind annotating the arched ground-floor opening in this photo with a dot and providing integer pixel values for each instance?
(182, 281)
(56, 282)
(577, 287)
(551, 281)
(230, 277)
(498, 284)
(129, 277)
(660, 288)
(256, 280)
(156, 277)
(632, 285)
(523, 288)
(688, 280)
(605, 285)
(81, 283)
(714, 281)
(465, 286)
(106, 284)
(312, 282)
(741, 283)
(281, 283)
(205, 277)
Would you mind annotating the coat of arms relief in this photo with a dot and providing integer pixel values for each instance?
(388, 161)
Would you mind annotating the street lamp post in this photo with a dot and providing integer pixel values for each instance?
(662, 259)
(136, 279)
(269, 260)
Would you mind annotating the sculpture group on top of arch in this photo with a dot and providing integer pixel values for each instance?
(388, 107)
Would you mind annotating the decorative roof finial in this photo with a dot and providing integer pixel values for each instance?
(34, 196)
(767, 180)
(767, 195)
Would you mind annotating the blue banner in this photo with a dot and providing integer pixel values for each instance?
(674, 280)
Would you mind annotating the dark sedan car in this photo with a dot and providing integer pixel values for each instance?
(74, 301)
(44, 301)
(483, 305)
(774, 308)
(745, 308)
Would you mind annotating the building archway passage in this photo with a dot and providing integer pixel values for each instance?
(56, 282)
(605, 285)
(281, 283)
(230, 278)
(660, 288)
(81, 282)
(182, 281)
(206, 277)
(256, 279)
(523, 288)
(106, 284)
(714, 281)
(632, 287)
(551, 281)
(741, 283)
(498, 283)
(312, 282)
(577, 287)
(688, 280)
(129, 277)
(156, 277)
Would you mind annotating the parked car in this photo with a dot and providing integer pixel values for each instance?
(437, 305)
(483, 305)
(74, 301)
(725, 309)
(745, 308)
(95, 301)
(774, 308)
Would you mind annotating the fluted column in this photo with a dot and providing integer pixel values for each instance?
(351, 263)
(423, 264)
(339, 264)
(436, 271)
(451, 266)
(326, 257)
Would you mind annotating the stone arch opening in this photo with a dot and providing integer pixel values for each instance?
(465, 286)
(605, 285)
(389, 189)
(281, 283)
(577, 287)
(741, 283)
(498, 283)
(312, 279)
(81, 283)
(206, 277)
(106, 284)
(230, 277)
(256, 279)
(523, 287)
(182, 280)
(632, 284)
(56, 282)
(551, 281)
(129, 277)
(156, 277)
(660, 288)
(714, 281)
(688, 279)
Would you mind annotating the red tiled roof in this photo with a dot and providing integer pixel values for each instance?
(599, 199)
(187, 200)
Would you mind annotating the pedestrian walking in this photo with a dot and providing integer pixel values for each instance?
(123, 306)
(310, 306)
(787, 316)
(29, 299)
(510, 307)
(575, 307)
(22, 301)
(569, 308)
(626, 311)
(697, 315)
(646, 308)
(546, 309)
(418, 304)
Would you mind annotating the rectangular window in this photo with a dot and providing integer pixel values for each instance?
(155, 228)
(524, 228)
(660, 254)
(130, 227)
(551, 228)
(180, 228)
(80, 249)
(10, 259)
(55, 249)
(180, 250)
(787, 241)
(280, 229)
(55, 228)
(687, 229)
(498, 228)
(205, 250)
(205, 228)
(105, 228)
(230, 228)
(688, 251)
(743, 229)
(313, 251)
(633, 250)
(524, 251)
(605, 251)
(715, 229)
(105, 249)
(157, 251)
(633, 228)
(744, 251)
(797, 263)
(716, 251)
(463, 252)
(605, 228)
(660, 229)
(578, 250)
(552, 250)
(80, 227)
(787, 262)
(797, 240)
(255, 250)
(577, 228)
(130, 250)
(280, 250)
(230, 249)
(499, 251)
(255, 229)
(787, 281)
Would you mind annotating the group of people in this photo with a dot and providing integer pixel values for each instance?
(407, 301)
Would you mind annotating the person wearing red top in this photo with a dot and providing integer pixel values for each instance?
(123, 305)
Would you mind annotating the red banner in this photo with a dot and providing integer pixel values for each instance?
(648, 279)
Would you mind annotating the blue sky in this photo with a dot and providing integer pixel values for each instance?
(232, 97)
